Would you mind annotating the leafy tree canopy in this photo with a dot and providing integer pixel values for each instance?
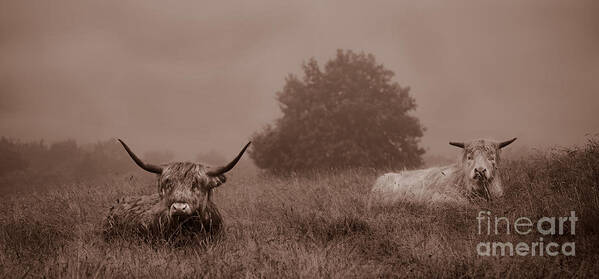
(349, 114)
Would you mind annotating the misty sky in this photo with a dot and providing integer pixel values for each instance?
(190, 76)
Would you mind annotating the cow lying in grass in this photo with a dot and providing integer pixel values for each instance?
(183, 204)
(476, 175)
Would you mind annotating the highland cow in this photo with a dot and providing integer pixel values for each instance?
(183, 204)
(475, 177)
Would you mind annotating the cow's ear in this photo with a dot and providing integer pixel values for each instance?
(458, 144)
(505, 143)
(215, 181)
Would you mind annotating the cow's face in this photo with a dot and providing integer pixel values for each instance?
(185, 187)
(480, 159)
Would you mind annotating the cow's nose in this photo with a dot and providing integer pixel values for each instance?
(480, 172)
(180, 208)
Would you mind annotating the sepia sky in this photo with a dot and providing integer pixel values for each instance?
(190, 76)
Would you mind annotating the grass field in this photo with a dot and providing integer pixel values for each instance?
(314, 225)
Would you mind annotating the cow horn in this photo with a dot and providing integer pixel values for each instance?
(229, 166)
(147, 167)
(458, 144)
(506, 143)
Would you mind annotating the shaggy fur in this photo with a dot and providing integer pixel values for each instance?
(149, 214)
(457, 183)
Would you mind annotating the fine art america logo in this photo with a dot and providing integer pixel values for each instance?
(545, 226)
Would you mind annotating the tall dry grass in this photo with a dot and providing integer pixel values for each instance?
(313, 225)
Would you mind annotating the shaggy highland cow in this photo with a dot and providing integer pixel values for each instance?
(476, 175)
(182, 206)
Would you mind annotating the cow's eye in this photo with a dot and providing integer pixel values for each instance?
(469, 157)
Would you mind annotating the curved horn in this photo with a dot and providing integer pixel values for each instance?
(506, 143)
(229, 166)
(458, 144)
(147, 167)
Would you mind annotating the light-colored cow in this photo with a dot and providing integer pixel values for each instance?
(476, 175)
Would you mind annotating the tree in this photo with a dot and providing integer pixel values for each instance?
(349, 114)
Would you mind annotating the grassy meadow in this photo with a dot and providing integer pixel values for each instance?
(313, 225)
